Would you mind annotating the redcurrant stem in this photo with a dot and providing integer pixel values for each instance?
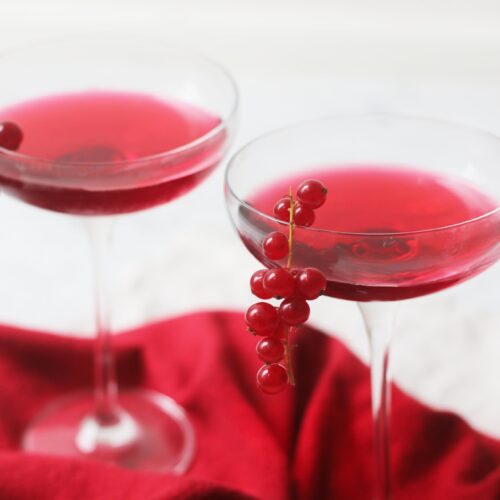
(290, 230)
(288, 358)
(288, 348)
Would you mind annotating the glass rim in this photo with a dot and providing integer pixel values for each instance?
(349, 116)
(171, 153)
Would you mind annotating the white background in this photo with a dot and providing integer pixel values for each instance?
(292, 61)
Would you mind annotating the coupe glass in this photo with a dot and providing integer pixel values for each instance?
(138, 428)
(402, 266)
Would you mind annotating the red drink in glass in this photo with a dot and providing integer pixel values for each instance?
(101, 132)
(382, 204)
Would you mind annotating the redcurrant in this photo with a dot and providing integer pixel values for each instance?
(303, 216)
(294, 311)
(312, 194)
(270, 350)
(282, 209)
(11, 136)
(279, 282)
(262, 318)
(310, 283)
(272, 378)
(275, 246)
(257, 286)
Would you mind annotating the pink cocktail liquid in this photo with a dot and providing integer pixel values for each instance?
(77, 151)
(405, 253)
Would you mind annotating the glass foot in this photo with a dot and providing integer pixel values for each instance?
(151, 432)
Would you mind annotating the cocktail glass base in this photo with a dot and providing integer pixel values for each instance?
(151, 432)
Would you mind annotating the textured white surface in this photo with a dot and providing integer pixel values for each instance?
(292, 61)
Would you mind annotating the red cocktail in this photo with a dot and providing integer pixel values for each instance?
(110, 126)
(122, 145)
(390, 254)
(412, 208)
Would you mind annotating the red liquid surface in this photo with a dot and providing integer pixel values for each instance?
(400, 258)
(82, 140)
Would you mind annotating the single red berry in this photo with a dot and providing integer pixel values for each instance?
(278, 332)
(303, 216)
(279, 282)
(270, 350)
(312, 194)
(294, 311)
(275, 246)
(310, 283)
(272, 378)
(257, 286)
(262, 318)
(282, 209)
(11, 136)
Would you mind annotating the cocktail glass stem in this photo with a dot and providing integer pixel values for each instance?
(379, 318)
(100, 232)
(109, 425)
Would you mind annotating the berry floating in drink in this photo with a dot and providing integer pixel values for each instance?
(11, 136)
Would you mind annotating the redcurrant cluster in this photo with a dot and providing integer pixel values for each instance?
(294, 287)
(11, 136)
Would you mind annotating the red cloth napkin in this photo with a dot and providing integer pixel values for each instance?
(309, 443)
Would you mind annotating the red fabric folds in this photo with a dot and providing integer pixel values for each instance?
(313, 442)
